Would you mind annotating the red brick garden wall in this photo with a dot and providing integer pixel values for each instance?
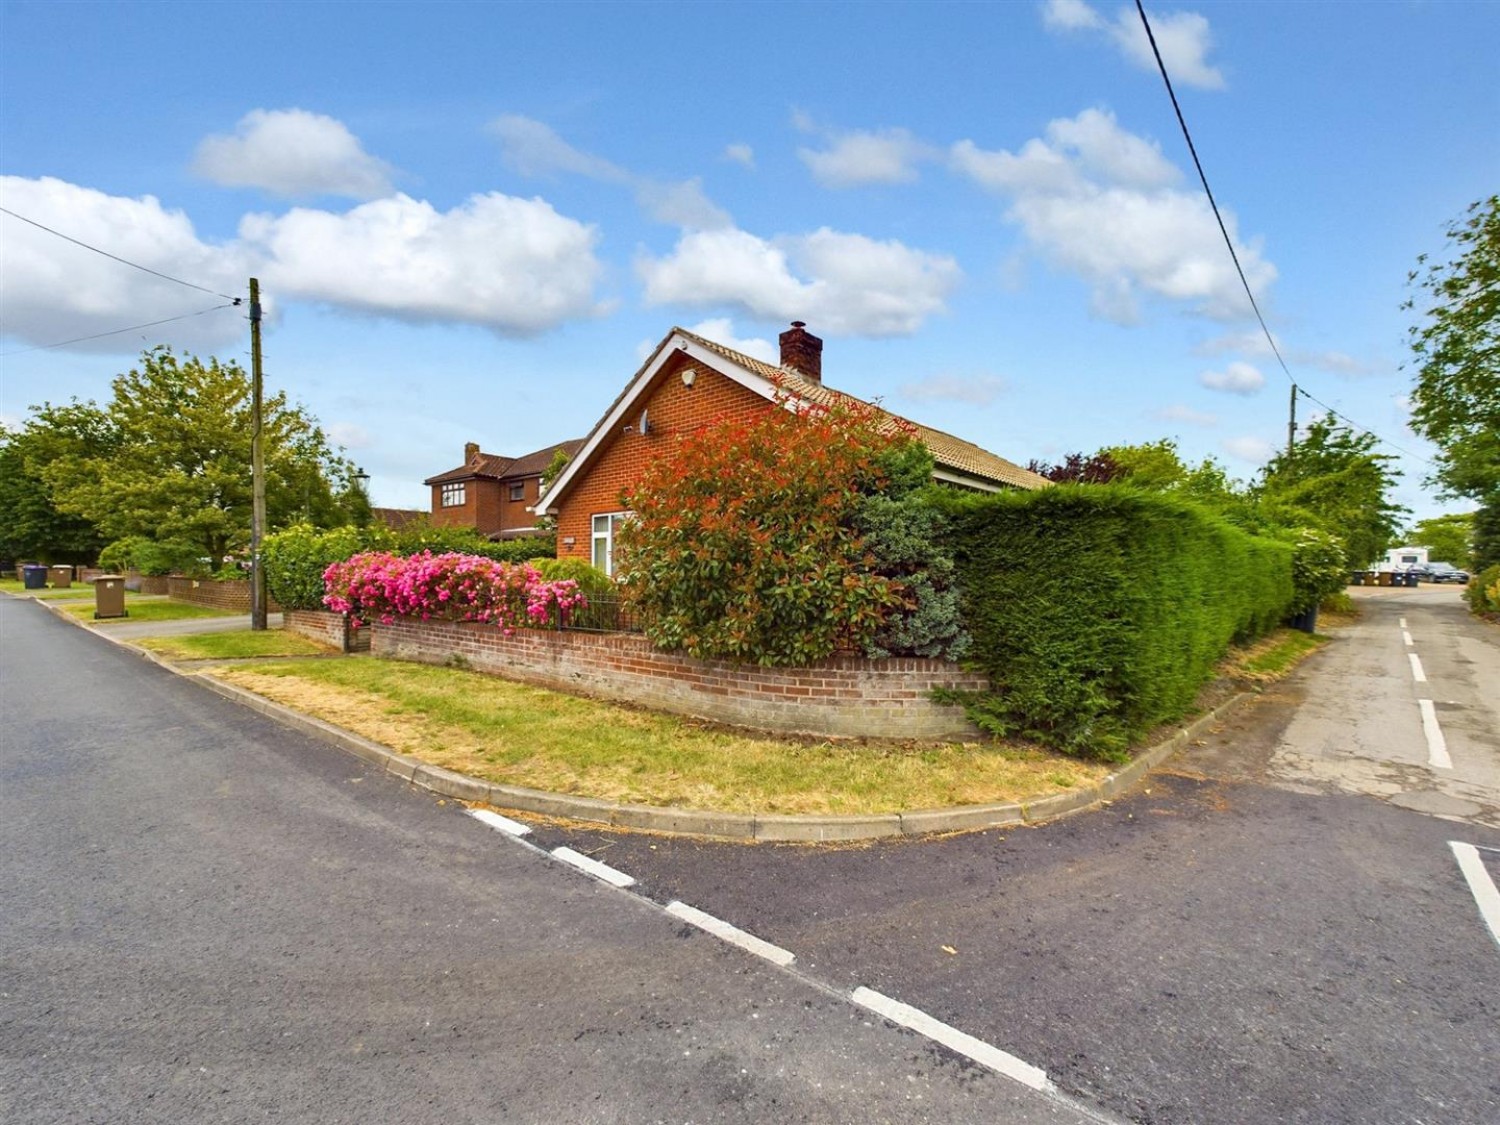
(209, 592)
(843, 697)
(327, 629)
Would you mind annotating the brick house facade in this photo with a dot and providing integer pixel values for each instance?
(493, 494)
(689, 381)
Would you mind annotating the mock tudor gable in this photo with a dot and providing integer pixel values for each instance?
(688, 381)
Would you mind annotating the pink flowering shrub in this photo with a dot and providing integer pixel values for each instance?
(380, 586)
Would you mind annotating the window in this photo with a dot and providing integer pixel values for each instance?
(453, 495)
(604, 540)
(518, 490)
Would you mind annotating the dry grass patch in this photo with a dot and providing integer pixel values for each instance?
(1271, 658)
(519, 735)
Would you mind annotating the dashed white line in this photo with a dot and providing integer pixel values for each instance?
(593, 867)
(955, 1040)
(1416, 668)
(1403, 623)
(732, 934)
(500, 823)
(1481, 886)
(1437, 745)
(1405, 636)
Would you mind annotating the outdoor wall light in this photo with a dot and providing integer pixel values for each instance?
(688, 375)
(568, 540)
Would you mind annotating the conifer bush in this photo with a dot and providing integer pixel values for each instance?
(1098, 611)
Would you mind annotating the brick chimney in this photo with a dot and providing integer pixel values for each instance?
(471, 452)
(802, 351)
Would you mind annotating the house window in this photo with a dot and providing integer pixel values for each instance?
(453, 495)
(604, 540)
(518, 490)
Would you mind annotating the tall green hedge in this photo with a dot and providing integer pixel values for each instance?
(296, 557)
(1098, 611)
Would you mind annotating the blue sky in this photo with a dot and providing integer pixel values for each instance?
(472, 220)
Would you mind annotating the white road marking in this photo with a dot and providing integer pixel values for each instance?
(1405, 636)
(732, 934)
(1403, 623)
(1416, 668)
(500, 823)
(1437, 745)
(1481, 886)
(594, 867)
(955, 1040)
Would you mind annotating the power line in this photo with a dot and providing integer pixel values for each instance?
(122, 261)
(117, 331)
(1229, 242)
(1208, 191)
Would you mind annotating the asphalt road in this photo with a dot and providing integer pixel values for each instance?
(1274, 929)
(208, 918)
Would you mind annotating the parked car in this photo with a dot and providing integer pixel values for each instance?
(1446, 572)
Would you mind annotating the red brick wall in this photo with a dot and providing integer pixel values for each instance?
(327, 628)
(208, 592)
(843, 697)
(673, 409)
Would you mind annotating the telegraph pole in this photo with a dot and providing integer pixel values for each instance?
(1291, 425)
(257, 467)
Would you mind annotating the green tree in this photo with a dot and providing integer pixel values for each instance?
(1333, 480)
(173, 461)
(1456, 350)
(1448, 538)
(30, 524)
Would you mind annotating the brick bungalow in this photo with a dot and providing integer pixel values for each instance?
(494, 495)
(689, 381)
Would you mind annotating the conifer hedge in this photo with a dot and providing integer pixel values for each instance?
(1099, 611)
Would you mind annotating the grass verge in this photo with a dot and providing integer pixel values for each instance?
(519, 735)
(1273, 657)
(77, 590)
(239, 644)
(149, 609)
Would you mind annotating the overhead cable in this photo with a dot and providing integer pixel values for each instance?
(118, 331)
(122, 261)
(1229, 242)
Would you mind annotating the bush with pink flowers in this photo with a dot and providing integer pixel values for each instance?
(380, 586)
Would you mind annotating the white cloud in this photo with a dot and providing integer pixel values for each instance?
(52, 290)
(721, 331)
(1184, 38)
(842, 284)
(681, 204)
(853, 159)
(1238, 378)
(291, 152)
(975, 390)
(533, 148)
(1255, 344)
(740, 154)
(1101, 202)
(1256, 450)
(349, 435)
(1070, 15)
(512, 265)
(1179, 413)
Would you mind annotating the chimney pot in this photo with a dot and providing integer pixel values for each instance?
(802, 351)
